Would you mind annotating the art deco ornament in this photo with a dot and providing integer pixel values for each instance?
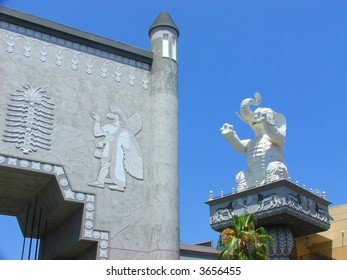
(29, 119)
(118, 151)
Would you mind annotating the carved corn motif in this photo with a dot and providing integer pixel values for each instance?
(29, 119)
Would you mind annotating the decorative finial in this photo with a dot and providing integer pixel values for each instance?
(211, 195)
(324, 194)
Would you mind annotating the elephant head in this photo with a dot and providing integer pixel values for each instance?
(253, 117)
(247, 115)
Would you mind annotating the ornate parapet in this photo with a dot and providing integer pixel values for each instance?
(279, 203)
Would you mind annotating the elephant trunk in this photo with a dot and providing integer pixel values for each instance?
(245, 110)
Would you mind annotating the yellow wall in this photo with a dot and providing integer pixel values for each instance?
(331, 243)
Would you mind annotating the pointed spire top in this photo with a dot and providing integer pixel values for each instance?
(164, 20)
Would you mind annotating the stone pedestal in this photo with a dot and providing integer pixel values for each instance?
(283, 208)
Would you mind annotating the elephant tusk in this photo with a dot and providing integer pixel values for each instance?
(241, 118)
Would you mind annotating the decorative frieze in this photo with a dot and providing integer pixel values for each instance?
(269, 201)
(79, 57)
(259, 203)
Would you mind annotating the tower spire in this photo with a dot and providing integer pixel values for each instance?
(163, 20)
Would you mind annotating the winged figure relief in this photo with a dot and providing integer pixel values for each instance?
(118, 150)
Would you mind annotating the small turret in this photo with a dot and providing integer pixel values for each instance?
(164, 29)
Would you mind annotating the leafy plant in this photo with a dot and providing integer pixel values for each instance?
(243, 241)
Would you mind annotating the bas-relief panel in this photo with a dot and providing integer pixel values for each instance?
(118, 150)
(68, 138)
(80, 95)
(261, 202)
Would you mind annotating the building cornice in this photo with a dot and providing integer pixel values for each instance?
(75, 35)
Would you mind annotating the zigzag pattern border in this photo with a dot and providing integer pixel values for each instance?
(88, 199)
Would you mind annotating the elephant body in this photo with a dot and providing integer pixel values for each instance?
(265, 162)
(265, 152)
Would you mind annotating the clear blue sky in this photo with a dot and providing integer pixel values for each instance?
(294, 52)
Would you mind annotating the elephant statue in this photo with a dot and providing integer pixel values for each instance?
(265, 152)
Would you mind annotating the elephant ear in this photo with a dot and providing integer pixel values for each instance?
(280, 123)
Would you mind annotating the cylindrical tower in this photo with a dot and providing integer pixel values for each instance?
(163, 193)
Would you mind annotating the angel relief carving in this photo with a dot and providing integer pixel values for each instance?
(118, 151)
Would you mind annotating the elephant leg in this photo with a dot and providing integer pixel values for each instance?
(275, 171)
(241, 180)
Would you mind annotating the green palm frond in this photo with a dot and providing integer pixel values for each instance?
(225, 255)
(250, 222)
(243, 241)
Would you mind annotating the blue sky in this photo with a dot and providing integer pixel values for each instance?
(294, 52)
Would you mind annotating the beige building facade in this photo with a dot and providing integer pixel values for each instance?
(330, 244)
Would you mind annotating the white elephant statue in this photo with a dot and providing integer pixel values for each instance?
(265, 152)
